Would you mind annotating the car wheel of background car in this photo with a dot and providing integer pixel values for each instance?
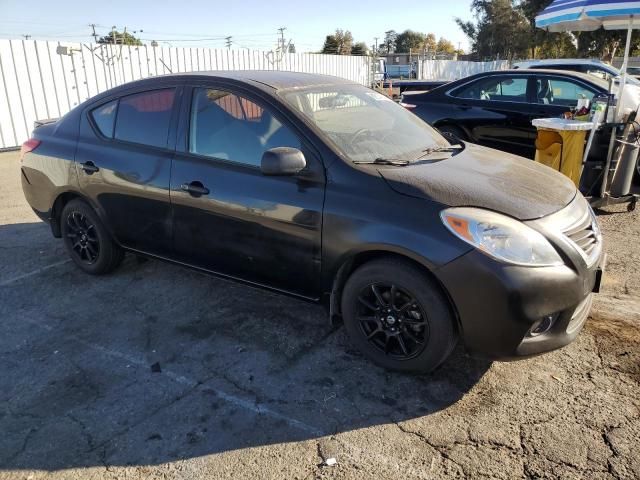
(451, 132)
(87, 240)
(397, 316)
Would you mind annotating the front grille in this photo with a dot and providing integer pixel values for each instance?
(585, 235)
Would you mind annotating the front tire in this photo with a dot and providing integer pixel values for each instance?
(397, 316)
(86, 239)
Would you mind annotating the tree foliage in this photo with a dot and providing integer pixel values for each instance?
(340, 43)
(506, 29)
(409, 41)
(359, 48)
(119, 38)
(389, 42)
(500, 30)
(445, 46)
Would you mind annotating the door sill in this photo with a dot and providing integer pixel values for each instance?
(224, 276)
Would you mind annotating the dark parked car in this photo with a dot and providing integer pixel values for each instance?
(495, 109)
(323, 189)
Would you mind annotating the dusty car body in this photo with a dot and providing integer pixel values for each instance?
(320, 188)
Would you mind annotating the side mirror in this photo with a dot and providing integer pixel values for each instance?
(282, 161)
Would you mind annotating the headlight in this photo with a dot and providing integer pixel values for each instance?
(500, 237)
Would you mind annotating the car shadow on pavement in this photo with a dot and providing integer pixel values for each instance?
(156, 363)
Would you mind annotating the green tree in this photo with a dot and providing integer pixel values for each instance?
(409, 41)
(120, 38)
(500, 30)
(543, 44)
(389, 43)
(331, 45)
(339, 43)
(359, 48)
(445, 46)
(430, 43)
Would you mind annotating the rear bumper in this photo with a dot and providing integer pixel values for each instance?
(498, 304)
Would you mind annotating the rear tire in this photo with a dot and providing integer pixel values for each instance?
(86, 239)
(397, 316)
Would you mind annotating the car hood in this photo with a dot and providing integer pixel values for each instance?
(485, 178)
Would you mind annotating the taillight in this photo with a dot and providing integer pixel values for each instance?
(408, 106)
(29, 146)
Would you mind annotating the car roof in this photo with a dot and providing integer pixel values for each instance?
(564, 61)
(277, 80)
(549, 71)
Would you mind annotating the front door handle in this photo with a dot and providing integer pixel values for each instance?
(89, 168)
(195, 189)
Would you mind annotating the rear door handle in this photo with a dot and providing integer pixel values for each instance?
(194, 188)
(89, 168)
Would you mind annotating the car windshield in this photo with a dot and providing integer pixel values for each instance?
(365, 125)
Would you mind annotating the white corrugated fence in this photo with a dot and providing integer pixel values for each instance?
(40, 79)
(453, 69)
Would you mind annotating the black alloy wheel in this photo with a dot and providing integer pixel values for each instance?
(397, 315)
(392, 320)
(83, 237)
(87, 240)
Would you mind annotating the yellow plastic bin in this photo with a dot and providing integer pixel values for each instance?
(560, 145)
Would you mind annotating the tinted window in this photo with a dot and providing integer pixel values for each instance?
(504, 89)
(104, 118)
(231, 127)
(144, 117)
(566, 93)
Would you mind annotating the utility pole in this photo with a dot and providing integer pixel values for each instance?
(228, 42)
(94, 34)
(27, 36)
(375, 50)
(281, 41)
(113, 34)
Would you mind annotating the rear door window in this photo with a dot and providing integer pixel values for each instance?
(501, 89)
(145, 117)
(104, 117)
(566, 93)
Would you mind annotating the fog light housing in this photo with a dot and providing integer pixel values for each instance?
(543, 325)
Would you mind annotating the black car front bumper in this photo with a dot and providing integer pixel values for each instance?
(498, 304)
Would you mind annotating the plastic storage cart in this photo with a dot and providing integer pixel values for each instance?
(560, 145)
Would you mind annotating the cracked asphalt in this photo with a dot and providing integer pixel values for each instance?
(160, 372)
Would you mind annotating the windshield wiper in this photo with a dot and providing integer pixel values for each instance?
(384, 161)
(429, 151)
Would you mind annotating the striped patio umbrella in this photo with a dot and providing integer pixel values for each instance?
(583, 15)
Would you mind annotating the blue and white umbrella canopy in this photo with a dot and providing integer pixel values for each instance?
(584, 15)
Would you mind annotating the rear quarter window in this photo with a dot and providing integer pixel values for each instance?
(104, 118)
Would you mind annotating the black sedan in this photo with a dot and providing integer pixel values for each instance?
(323, 189)
(496, 108)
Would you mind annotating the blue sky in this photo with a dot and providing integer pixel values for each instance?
(251, 23)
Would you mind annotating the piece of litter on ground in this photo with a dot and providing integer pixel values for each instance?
(329, 462)
(155, 368)
(557, 378)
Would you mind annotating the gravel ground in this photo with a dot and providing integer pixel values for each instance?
(160, 372)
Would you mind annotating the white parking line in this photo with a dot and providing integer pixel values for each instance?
(34, 272)
(237, 401)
